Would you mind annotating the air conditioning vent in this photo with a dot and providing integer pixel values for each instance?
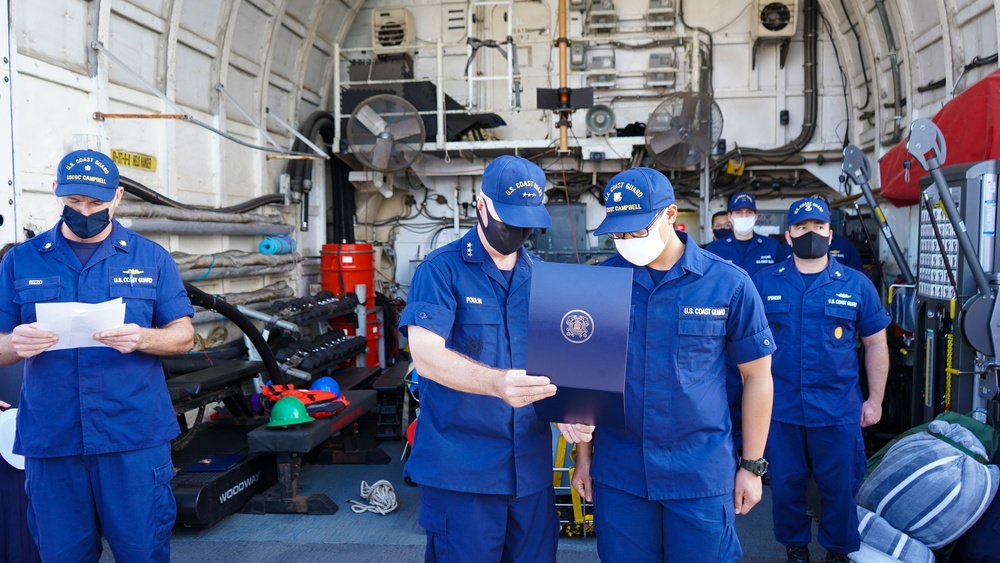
(392, 31)
(391, 34)
(774, 19)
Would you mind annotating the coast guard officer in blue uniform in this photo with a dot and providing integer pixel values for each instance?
(817, 308)
(95, 423)
(482, 461)
(744, 247)
(667, 487)
(752, 252)
(841, 247)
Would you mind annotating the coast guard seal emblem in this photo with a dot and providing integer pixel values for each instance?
(577, 326)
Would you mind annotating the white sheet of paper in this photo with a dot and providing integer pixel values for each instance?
(76, 323)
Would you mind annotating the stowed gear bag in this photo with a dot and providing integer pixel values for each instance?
(935, 481)
(319, 404)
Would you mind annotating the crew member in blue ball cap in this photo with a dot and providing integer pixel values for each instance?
(841, 248)
(95, 423)
(668, 485)
(482, 461)
(752, 252)
(817, 308)
(744, 247)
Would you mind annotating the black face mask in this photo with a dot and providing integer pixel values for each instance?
(811, 245)
(722, 233)
(86, 226)
(504, 238)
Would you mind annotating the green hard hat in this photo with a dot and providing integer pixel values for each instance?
(288, 411)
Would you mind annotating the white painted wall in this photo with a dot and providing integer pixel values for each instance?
(279, 55)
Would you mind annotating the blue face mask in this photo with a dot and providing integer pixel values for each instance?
(86, 226)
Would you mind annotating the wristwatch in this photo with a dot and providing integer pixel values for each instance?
(756, 466)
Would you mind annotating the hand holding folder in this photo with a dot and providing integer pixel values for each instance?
(578, 321)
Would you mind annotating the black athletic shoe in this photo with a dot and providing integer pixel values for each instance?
(797, 553)
(834, 557)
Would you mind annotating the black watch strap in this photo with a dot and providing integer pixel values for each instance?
(756, 466)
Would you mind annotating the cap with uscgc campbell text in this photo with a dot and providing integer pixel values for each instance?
(89, 173)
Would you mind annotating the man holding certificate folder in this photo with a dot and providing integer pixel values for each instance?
(482, 461)
(667, 486)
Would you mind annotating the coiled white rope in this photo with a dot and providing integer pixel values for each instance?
(381, 495)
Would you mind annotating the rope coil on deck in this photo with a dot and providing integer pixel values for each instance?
(381, 495)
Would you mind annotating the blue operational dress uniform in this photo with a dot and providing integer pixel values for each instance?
(94, 424)
(468, 444)
(816, 417)
(677, 446)
(753, 255)
(841, 248)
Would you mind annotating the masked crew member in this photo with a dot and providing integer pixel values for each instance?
(482, 461)
(817, 308)
(95, 423)
(752, 252)
(744, 247)
(721, 225)
(668, 485)
(842, 248)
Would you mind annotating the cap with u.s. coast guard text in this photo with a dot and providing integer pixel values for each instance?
(633, 198)
(806, 209)
(516, 187)
(89, 173)
(742, 200)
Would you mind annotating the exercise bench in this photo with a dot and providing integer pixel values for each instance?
(291, 444)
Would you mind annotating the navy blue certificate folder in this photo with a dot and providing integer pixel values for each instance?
(578, 322)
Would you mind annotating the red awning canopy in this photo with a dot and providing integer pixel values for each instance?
(971, 127)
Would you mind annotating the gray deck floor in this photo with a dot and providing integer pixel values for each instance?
(396, 537)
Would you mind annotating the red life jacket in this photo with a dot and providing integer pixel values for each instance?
(319, 404)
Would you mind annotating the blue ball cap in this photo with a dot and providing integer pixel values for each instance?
(516, 187)
(633, 198)
(806, 209)
(87, 173)
(742, 200)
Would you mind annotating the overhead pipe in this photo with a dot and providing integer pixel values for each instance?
(167, 226)
(246, 271)
(236, 259)
(266, 296)
(890, 40)
(150, 196)
(138, 210)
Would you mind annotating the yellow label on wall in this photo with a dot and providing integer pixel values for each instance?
(133, 160)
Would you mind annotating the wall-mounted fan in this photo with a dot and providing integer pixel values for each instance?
(682, 130)
(385, 133)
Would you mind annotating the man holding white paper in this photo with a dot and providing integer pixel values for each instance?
(95, 422)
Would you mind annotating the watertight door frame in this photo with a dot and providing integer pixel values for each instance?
(8, 192)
